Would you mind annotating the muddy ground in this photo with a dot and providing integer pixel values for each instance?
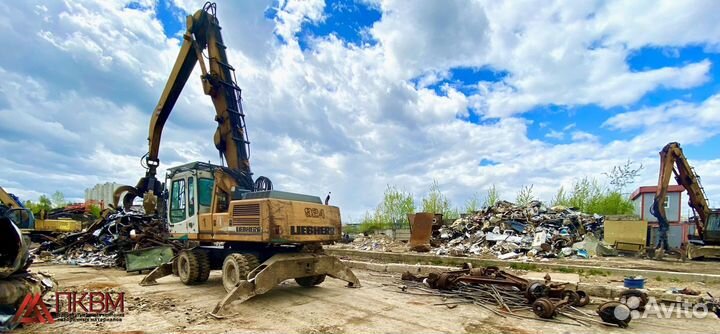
(377, 307)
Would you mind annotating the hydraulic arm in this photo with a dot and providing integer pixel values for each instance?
(673, 162)
(203, 33)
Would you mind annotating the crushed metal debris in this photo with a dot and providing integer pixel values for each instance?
(507, 295)
(105, 242)
(509, 231)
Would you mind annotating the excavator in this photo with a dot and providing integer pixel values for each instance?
(12, 208)
(227, 221)
(707, 221)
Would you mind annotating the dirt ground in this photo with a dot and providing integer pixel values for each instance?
(377, 307)
(669, 263)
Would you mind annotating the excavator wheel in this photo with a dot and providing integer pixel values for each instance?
(236, 267)
(204, 265)
(193, 266)
(309, 281)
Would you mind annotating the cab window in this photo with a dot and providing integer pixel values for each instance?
(205, 190)
(191, 196)
(177, 202)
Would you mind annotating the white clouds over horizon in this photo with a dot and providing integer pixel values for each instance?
(78, 91)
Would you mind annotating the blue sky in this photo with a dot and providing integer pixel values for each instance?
(350, 96)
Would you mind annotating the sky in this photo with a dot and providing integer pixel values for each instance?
(351, 96)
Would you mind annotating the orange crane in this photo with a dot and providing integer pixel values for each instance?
(707, 220)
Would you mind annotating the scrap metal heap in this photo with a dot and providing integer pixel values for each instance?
(511, 295)
(510, 231)
(105, 242)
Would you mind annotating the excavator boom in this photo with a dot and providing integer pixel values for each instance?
(673, 162)
(203, 33)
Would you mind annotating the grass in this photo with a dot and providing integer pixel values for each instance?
(597, 272)
(524, 266)
(658, 278)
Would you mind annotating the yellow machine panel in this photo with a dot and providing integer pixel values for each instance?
(626, 234)
(272, 221)
(58, 225)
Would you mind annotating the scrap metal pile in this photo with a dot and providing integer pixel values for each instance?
(79, 212)
(511, 294)
(510, 231)
(105, 242)
(379, 243)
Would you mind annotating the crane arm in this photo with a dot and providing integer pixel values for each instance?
(8, 200)
(673, 162)
(203, 32)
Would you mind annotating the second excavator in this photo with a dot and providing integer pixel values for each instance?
(257, 236)
(707, 221)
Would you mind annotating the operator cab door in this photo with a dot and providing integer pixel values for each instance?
(182, 213)
(22, 217)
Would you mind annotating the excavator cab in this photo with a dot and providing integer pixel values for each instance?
(709, 245)
(190, 195)
(712, 229)
(22, 217)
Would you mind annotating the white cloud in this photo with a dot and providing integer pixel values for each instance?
(559, 135)
(338, 117)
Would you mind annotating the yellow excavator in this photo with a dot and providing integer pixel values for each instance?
(36, 227)
(707, 221)
(257, 236)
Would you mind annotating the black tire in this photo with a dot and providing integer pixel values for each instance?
(627, 297)
(236, 267)
(204, 265)
(188, 267)
(309, 281)
(572, 297)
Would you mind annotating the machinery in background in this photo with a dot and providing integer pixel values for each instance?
(707, 220)
(257, 236)
(12, 208)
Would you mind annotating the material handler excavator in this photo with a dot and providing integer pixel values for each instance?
(707, 220)
(257, 236)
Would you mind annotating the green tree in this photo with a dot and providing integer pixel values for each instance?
(44, 203)
(492, 196)
(560, 197)
(472, 204)
(588, 196)
(436, 202)
(58, 199)
(370, 223)
(525, 196)
(94, 210)
(394, 208)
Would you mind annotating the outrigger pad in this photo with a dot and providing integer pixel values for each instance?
(162, 270)
(281, 267)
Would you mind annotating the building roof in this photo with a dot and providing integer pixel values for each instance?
(673, 188)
